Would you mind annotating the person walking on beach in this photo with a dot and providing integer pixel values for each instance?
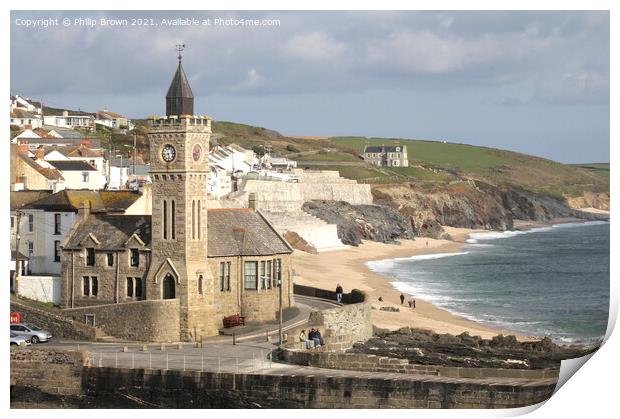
(402, 299)
(339, 293)
(412, 302)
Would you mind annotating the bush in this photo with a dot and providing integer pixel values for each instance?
(292, 148)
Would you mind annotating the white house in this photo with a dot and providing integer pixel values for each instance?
(25, 112)
(113, 120)
(80, 153)
(77, 174)
(76, 119)
(219, 181)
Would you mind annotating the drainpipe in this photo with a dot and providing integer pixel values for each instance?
(239, 283)
(117, 277)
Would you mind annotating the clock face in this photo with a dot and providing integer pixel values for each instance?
(168, 153)
(196, 152)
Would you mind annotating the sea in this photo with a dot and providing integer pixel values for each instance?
(550, 281)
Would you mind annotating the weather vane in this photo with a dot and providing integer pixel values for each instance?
(180, 48)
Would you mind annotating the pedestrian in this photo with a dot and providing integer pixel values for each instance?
(380, 298)
(412, 302)
(402, 299)
(339, 293)
(427, 243)
(317, 335)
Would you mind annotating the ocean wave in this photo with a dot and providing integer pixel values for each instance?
(494, 235)
(386, 264)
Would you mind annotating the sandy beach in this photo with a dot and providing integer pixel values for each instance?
(348, 268)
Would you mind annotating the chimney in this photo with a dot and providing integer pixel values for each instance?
(252, 201)
(39, 154)
(84, 210)
(22, 148)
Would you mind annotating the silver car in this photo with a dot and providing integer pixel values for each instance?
(32, 332)
(19, 340)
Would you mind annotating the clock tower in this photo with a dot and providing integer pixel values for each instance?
(179, 170)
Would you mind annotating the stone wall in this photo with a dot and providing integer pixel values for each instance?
(59, 325)
(54, 372)
(352, 319)
(150, 320)
(183, 389)
(373, 363)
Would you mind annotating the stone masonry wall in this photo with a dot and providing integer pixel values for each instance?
(352, 319)
(59, 325)
(54, 372)
(373, 363)
(183, 389)
(149, 321)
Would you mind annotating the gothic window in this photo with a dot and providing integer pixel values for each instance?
(94, 286)
(251, 275)
(86, 286)
(168, 287)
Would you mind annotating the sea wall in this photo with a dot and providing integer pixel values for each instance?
(63, 372)
(149, 320)
(382, 364)
(51, 371)
(59, 325)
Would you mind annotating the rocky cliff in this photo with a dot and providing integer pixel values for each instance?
(470, 204)
(590, 200)
(362, 222)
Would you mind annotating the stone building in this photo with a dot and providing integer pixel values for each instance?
(391, 156)
(179, 272)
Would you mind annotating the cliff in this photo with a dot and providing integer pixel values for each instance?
(362, 222)
(470, 204)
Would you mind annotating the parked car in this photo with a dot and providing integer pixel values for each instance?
(32, 332)
(19, 340)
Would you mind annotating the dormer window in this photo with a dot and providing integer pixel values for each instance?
(90, 256)
(134, 257)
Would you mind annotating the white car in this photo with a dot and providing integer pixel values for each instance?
(32, 332)
(19, 340)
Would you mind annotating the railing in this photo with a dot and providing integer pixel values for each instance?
(179, 361)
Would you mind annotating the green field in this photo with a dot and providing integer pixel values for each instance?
(600, 169)
(332, 156)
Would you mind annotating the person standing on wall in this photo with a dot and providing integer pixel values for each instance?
(339, 293)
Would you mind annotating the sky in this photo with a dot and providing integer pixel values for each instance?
(534, 82)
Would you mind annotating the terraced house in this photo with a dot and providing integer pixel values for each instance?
(175, 275)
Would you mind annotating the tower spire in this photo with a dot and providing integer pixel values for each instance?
(179, 99)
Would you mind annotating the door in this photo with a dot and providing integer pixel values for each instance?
(168, 287)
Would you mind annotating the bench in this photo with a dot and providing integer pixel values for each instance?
(234, 320)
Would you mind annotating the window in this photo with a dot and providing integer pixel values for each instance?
(94, 286)
(30, 249)
(90, 256)
(199, 223)
(200, 284)
(268, 273)
(134, 257)
(12, 222)
(138, 288)
(56, 250)
(224, 276)
(193, 219)
(129, 287)
(251, 275)
(110, 259)
(85, 177)
(86, 285)
(56, 223)
(164, 221)
(30, 223)
(173, 227)
(262, 275)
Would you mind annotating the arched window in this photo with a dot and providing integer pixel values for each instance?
(168, 287)
(173, 228)
(199, 217)
(164, 221)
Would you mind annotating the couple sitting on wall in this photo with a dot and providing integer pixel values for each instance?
(313, 339)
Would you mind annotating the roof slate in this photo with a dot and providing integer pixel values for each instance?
(19, 199)
(69, 200)
(112, 231)
(67, 165)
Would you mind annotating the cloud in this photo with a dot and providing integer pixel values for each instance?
(314, 47)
